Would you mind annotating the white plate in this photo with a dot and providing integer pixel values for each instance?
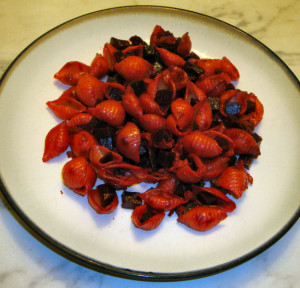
(109, 243)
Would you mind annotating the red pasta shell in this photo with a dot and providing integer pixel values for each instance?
(65, 107)
(151, 223)
(215, 196)
(168, 184)
(188, 174)
(161, 200)
(177, 75)
(103, 199)
(128, 141)
(69, 74)
(169, 58)
(153, 122)
(201, 145)
(56, 141)
(234, 179)
(134, 68)
(80, 119)
(122, 175)
(79, 176)
(89, 90)
(171, 124)
(101, 156)
(215, 167)
(156, 34)
(185, 45)
(203, 218)
(149, 106)
(243, 142)
(99, 66)
(81, 143)
(214, 85)
(109, 55)
(110, 111)
(183, 113)
(203, 115)
(132, 104)
(230, 69)
(251, 120)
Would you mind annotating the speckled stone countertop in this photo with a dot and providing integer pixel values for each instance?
(25, 262)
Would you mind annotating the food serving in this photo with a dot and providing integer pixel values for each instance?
(156, 113)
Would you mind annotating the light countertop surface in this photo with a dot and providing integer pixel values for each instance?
(25, 262)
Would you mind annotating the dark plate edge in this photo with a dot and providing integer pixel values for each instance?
(122, 272)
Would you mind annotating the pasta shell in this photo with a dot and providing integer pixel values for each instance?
(79, 176)
(132, 104)
(89, 90)
(134, 68)
(65, 107)
(103, 199)
(201, 145)
(101, 156)
(183, 113)
(153, 122)
(148, 222)
(234, 179)
(110, 111)
(169, 58)
(128, 141)
(203, 218)
(80, 119)
(185, 45)
(99, 66)
(243, 142)
(214, 85)
(56, 141)
(161, 200)
(212, 197)
(81, 143)
(70, 73)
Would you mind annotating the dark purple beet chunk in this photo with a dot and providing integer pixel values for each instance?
(136, 40)
(161, 135)
(250, 107)
(230, 86)
(257, 138)
(165, 158)
(147, 215)
(119, 56)
(208, 199)
(139, 87)
(248, 160)
(130, 200)
(119, 44)
(116, 94)
(193, 70)
(107, 194)
(163, 97)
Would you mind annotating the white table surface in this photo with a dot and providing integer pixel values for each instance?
(25, 262)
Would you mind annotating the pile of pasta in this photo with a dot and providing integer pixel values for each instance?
(156, 113)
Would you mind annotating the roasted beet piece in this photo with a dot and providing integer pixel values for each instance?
(163, 97)
(130, 200)
(139, 87)
(136, 40)
(193, 70)
(118, 43)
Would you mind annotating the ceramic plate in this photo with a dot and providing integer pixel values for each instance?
(109, 243)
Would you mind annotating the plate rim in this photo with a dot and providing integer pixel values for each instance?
(97, 266)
